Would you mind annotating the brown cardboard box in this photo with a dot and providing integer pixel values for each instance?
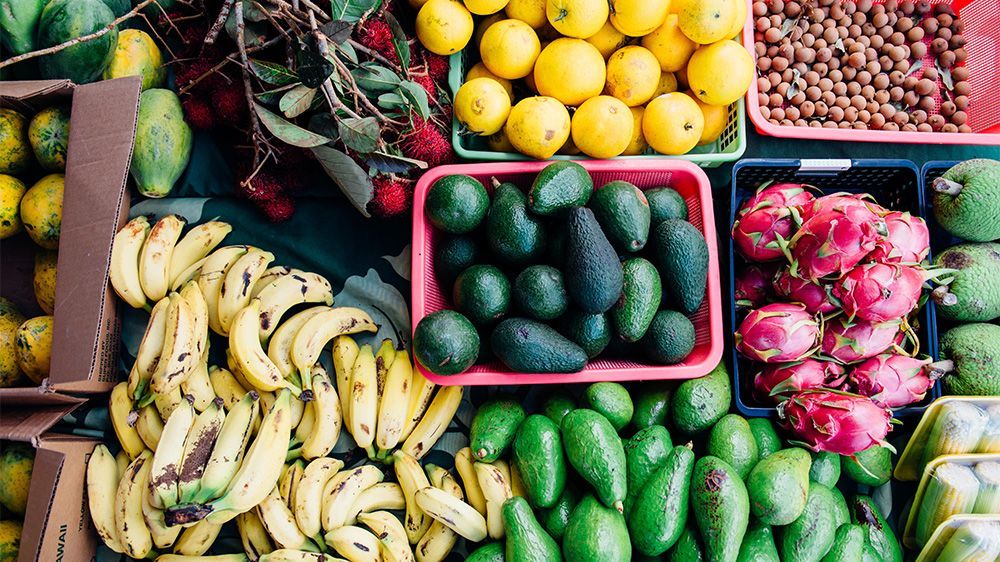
(95, 205)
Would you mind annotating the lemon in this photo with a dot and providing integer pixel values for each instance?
(444, 26)
(638, 144)
(739, 20)
(509, 49)
(41, 211)
(671, 47)
(531, 12)
(16, 463)
(44, 280)
(15, 151)
(577, 18)
(499, 142)
(529, 81)
(482, 105)
(716, 119)
(570, 70)
(707, 21)
(479, 70)
(608, 40)
(636, 18)
(484, 24)
(11, 192)
(569, 148)
(682, 78)
(10, 320)
(633, 75)
(10, 539)
(34, 347)
(136, 54)
(673, 123)
(602, 127)
(720, 73)
(484, 7)
(538, 126)
(667, 84)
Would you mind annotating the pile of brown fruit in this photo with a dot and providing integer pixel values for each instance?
(897, 66)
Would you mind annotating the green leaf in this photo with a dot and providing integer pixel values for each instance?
(348, 175)
(375, 78)
(417, 96)
(391, 100)
(349, 52)
(273, 74)
(399, 40)
(390, 163)
(271, 97)
(296, 101)
(313, 68)
(324, 124)
(337, 31)
(352, 10)
(360, 135)
(288, 132)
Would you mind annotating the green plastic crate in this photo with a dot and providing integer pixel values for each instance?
(728, 148)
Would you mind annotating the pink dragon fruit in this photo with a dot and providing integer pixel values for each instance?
(774, 381)
(860, 207)
(753, 285)
(834, 421)
(778, 333)
(893, 381)
(834, 241)
(815, 296)
(877, 292)
(908, 240)
(756, 234)
(778, 195)
(849, 341)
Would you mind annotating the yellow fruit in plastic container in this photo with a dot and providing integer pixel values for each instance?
(577, 18)
(498, 142)
(484, 7)
(633, 75)
(716, 119)
(602, 127)
(538, 126)
(570, 70)
(44, 279)
(136, 54)
(608, 40)
(479, 70)
(638, 144)
(667, 84)
(707, 21)
(444, 26)
(739, 20)
(636, 18)
(569, 148)
(41, 211)
(11, 192)
(670, 46)
(482, 26)
(16, 463)
(481, 106)
(509, 49)
(531, 12)
(15, 151)
(720, 73)
(10, 320)
(10, 539)
(34, 347)
(673, 124)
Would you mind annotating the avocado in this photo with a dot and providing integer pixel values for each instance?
(555, 253)
(482, 294)
(641, 294)
(593, 273)
(445, 342)
(492, 552)
(539, 292)
(878, 534)
(688, 547)
(720, 507)
(555, 518)
(538, 454)
(596, 453)
(657, 519)
(974, 353)
(758, 545)
(526, 540)
(453, 255)
(765, 435)
(652, 404)
(779, 486)
(623, 213)
(456, 204)
(592, 332)
(493, 428)
(558, 405)
(645, 453)
(973, 295)
(812, 534)
(526, 346)
(665, 203)
(559, 186)
(825, 468)
(514, 235)
(596, 533)
(611, 400)
(967, 200)
(849, 544)
(682, 257)
(732, 441)
(669, 339)
(871, 467)
(699, 403)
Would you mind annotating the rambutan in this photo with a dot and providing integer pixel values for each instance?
(428, 143)
(230, 104)
(279, 209)
(427, 83)
(437, 66)
(390, 197)
(377, 36)
(263, 187)
(198, 113)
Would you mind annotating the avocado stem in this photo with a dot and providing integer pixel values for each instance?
(946, 186)
(942, 297)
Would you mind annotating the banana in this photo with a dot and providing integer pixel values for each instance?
(253, 535)
(148, 354)
(285, 480)
(383, 360)
(215, 558)
(496, 490)
(210, 278)
(354, 543)
(122, 460)
(394, 402)
(292, 555)
(384, 495)
(180, 354)
(364, 400)
(454, 513)
(199, 308)
(234, 293)
(197, 539)
(421, 392)
(163, 537)
(390, 533)
(279, 347)
(149, 426)
(248, 354)
(102, 486)
(166, 463)
(516, 484)
(280, 523)
(120, 410)
(199, 387)
(196, 245)
(308, 504)
(320, 329)
(228, 450)
(225, 386)
(439, 477)
(129, 522)
(155, 256)
(325, 406)
(198, 449)
(303, 430)
(465, 469)
(167, 403)
(345, 353)
(439, 539)
(298, 287)
(504, 469)
(190, 274)
(434, 422)
(411, 478)
(343, 490)
(270, 275)
(124, 270)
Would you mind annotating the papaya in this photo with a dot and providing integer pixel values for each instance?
(136, 54)
(48, 133)
(44, 280)
(16, 463)
(34, 347)
(11, 192)
(10, 319)
(64, 20)
(162, 143)
(19, 23)
(15, 150)
(41, 211)
(120, 7)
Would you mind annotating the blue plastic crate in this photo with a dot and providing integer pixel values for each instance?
(895, 184)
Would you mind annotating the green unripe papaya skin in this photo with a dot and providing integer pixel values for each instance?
(825, 468)
(538, 453)
(967, 202)
(595, 451)
(688, 547)
(162, 143)
(758, 545)
(645, 453)
(720, 506)
(493, 429)
(871, 467)
(596, 533)
(555, 519)
(732, 441)
(779, 486)
(699, 403)
(661, 509)
(611, 400)
(810, 537)
(973, 294)
(682, 258)
(849, 544)
(641, 294)
(557, 406)
(652, 405)
(64, 20)
(19, 23)
(526, 540)
(765, 435)
(493, 552)
(878, 535)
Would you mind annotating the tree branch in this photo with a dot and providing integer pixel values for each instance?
(220, 22)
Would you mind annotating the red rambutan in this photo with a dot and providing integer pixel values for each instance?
(437, 66)
(390, 197)
(428, 143)
(198, 113)
(377, 36)
(230, 104)
(427, 83)
(263, 187)
(279, 209)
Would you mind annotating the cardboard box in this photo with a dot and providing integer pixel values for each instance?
(95, 205)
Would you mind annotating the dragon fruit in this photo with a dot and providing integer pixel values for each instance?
(778, 333)
(907, 241)
(849, 341)
(778, 195)
(834, 421)
(860, 207)
(756, 234)
(788, 378)
(815, 296)
(753, 285)
(834, 241)
(892, 381)
(877, 292)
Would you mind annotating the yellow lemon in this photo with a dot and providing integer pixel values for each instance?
(15, 152)
(11, 192)
(479, 70)
(499, 142)
(739, 20)
(509, 49)
(682, 78)
(577, 18)
(608, 40)
(667, 84)
(34, 347)
(44, 280)
(636, 18)
(570, 70)
(444, 26)
(136, 54)
(720, 73)
(482, 105)
(602, 127)
(538, 126)
(633, 75)
(41, 211)
(716, 119)
(484, 24)
(484, 7)
(16, 463)
(10, 539)
(707, 21)
(673, 123)
(569, 149)
(671, 47)
(638, 144)
(531, 12)
(10, 320)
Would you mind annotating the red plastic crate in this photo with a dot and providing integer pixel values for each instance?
(687, 178)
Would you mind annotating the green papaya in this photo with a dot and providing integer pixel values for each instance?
(720, 507)
(65, 20)
(596, 533)
(758, 545)
(19, 23)
(162, 142)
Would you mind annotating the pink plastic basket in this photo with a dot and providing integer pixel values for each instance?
(982, 35)
(687, 178)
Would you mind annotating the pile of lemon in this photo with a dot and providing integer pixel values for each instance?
(636, 74)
